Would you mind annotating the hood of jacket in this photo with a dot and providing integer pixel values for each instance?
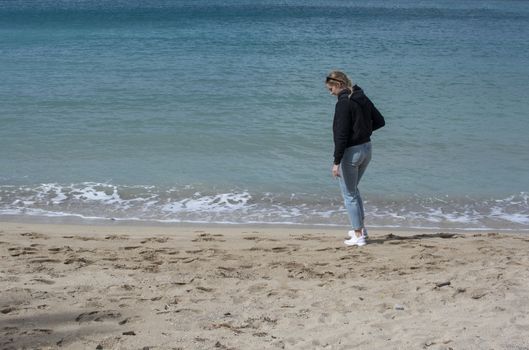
(358, 96)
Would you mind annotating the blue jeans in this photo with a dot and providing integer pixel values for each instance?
(353, 165)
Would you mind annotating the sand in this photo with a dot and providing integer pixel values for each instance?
(240, 287)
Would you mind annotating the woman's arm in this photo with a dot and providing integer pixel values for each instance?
(341, 127)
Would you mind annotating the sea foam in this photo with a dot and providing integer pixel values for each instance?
(188, 204)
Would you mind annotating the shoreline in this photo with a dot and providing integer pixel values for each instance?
(100, 222)
(232, 287)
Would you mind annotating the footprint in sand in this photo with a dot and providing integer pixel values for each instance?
(17, 251)
(281, 249)
(168, 251)
(34, 235)
(207, 237)
(117, 237)
(328, 249)
(155, 239)
(129, 320)
(226, 272)
(98, 316)
(85, 238)
(149, 255)
(490, 250)
(79, 260)
(10, 330)
(43, 280)
(37, 332)
(259, 239)
(44, 260)
(311, 237)
(56, 250)
(194, 251)
(112, 257)
(251, 238)
(151, 268)
(8, 310)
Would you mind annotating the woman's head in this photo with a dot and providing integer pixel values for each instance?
(336, 81)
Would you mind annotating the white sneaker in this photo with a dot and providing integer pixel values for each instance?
(359, 241)
(364, 233)
(350, 241)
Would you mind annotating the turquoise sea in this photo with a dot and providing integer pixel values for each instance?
(210, 111)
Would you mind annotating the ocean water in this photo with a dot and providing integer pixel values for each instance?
(209, 111)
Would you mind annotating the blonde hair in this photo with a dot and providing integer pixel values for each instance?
(339, 78)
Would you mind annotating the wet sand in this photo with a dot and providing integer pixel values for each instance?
(242, 287)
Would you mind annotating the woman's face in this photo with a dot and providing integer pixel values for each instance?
(334, 89)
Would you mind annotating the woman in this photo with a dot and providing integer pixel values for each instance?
(355, 118)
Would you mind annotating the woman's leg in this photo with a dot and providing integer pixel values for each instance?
(353, 166)
(351, 197)
(367, 149)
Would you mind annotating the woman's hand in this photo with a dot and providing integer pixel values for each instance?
(336, 170)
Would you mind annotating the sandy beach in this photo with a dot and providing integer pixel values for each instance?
(243, 287)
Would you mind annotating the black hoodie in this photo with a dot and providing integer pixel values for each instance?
(355, 118)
